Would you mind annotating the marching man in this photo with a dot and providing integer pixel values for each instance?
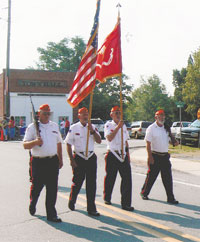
(83, 167)
(157, 142)
(46, 152)
(114, 161)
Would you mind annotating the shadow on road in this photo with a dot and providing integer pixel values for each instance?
(182, 205)
(105, 232)
(68, 190)
(177, 218)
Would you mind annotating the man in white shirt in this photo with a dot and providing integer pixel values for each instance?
(83, 165)
(157, 142)
(46, 151)
(115, 162)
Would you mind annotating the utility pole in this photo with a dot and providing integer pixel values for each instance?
(180, 105)
(7, 74)
(180, 125)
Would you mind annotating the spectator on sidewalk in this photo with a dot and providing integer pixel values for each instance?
(67, 125)
(1, 130)
(5, 127)
(11, 126)
(62, 128)
(157, 141)
(21, 122)
(1, 125)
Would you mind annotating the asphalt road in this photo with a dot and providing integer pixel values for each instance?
(152, 220)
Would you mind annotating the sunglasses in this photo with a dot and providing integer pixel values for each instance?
(117, 112)
(46, 113)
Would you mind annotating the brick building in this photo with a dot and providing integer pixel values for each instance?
(44, 86)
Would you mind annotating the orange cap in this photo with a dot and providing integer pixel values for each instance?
(159, 112)
(82, 110)
(44, 107)
(115, 108)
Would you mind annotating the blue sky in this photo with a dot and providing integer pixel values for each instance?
(157, 35)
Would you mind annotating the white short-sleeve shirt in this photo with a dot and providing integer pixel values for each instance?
(158, 136)
(77, 137)
(115, 144)
(50, 135)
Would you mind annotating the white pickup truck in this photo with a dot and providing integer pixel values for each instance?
(177, 125)
(99, 125)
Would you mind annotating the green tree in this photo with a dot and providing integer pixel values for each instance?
(62, 56)
(191, 88)
(107, 95)
(178, 82)
(148, 98)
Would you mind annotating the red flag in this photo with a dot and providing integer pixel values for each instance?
(109, 59)
(84, 81)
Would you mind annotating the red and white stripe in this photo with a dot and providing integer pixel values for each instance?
(84, 81)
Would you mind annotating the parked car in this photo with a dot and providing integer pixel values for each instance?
(177, 125)
(138, 128)
(128, 126)
(99, 125)
(190, 134)
(19, 132)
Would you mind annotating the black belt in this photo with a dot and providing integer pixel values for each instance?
(116, 151)
(159, 153)
(83, 153)
(44, 157)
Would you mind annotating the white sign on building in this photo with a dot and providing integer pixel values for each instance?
(20, 106)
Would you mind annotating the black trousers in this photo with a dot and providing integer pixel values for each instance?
(161, 164)
(86, 169)
(45, 173)
(30, 166)
(113, 165)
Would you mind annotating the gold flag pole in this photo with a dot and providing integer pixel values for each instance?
(121, 101)
(89, 120)
(121, 110)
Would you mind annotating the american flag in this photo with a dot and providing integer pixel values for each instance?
(84, 81)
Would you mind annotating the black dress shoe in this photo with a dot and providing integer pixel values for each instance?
(71, 205)
(32, 209)
(173, 201)
(55, 219)
(107, 202)
(127, 208)
(144, 197)
(94, 213)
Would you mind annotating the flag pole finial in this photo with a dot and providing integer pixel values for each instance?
(118, 6)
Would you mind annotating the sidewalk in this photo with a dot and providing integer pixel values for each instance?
(139, 155)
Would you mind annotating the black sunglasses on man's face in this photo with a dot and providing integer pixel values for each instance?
(46, 113)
